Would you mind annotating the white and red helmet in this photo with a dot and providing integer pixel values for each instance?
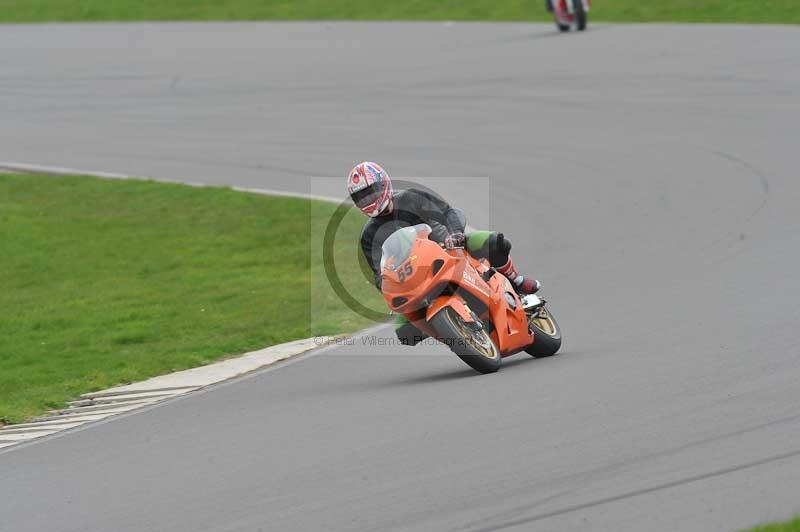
(371, 189)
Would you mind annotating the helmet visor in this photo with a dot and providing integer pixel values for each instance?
(367, 196)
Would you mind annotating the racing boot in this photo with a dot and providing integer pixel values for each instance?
(522, 284)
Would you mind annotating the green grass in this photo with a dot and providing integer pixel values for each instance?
(106, 282)
(744, 11)
(788, 526)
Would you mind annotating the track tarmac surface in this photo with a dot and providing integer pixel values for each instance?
(647, 174)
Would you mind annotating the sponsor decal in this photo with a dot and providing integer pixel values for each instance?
(359, 186)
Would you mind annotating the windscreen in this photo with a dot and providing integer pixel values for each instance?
(397, 247)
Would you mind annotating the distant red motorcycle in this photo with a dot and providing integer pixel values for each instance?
(569, 13)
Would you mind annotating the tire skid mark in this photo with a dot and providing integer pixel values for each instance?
(756, 172)
(765, 189)
(635, 493)
(610, 468)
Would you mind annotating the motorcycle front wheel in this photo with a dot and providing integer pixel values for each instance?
(580, 16)
(472, 345)
(546, 334)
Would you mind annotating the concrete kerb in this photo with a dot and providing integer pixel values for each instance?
(123, 399)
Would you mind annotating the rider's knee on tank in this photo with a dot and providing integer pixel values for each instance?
(489, 245)
(407, 332)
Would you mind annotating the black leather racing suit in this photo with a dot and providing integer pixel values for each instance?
(410, 207)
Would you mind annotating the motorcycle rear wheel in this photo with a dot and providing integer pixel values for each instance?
(474, 347)
(546, 334)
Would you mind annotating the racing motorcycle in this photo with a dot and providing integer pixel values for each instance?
(462, 301)
(568, 13)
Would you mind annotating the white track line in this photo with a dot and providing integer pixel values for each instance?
(62, 170)
(119, 398)
(108, 393)
(58, 170)
(66, 424)
(10, 438)
(80, 416)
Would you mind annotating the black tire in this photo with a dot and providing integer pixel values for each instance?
(580, 15)
(447, 324)
(562, 27)
(546, 343)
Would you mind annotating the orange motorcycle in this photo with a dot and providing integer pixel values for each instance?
(463, 302)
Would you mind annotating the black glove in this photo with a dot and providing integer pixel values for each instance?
(455, 240)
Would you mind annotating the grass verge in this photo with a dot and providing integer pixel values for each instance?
(741, 11)
(787, 526)
(107, 282)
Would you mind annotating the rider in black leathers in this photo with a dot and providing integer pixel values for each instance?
(371, 190)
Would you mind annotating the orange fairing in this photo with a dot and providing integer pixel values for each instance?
(419, 279)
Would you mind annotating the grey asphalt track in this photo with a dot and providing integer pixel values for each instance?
(645, 173)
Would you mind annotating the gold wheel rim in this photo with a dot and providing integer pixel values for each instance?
(479, 340)
(544, 322)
